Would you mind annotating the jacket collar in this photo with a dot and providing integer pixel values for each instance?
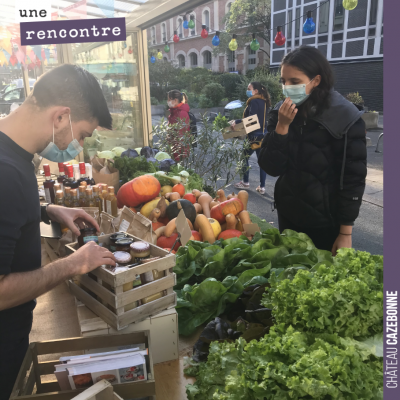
(256, 96)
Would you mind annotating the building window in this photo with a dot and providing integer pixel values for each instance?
(181, 61)
(297, 24)
(324, 18)
(207, 60)
(231, 61)
(153, 35)
(206, 19)
(193, 31)
(338, 20)
(180, 28)
(163, 32)
(228, 7)
(289, 27)
(251, 58)
(373, 12)
(193, 60)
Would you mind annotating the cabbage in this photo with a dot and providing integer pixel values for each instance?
(130, 153)
(155, 151)
(165, 165)
(118, 151)
(146, 151)
(106, 154)
(162, 156)
(138, 150)
(152, 159)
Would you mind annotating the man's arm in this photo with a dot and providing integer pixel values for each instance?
(18, 288)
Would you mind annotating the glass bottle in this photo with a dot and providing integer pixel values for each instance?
(61, 176)
(60, 198)
(48, 185)
(96, 198)
(82, 196)
(71, 183)
(89, 174)
(67, 197)
(77, 176)
(57, 186)
(104, 195)
(66, 164)
(74, 198)
(82, 170)
(84, 184)
(111, 202)
(89, 198)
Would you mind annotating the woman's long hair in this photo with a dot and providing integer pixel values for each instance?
(180, 96)
(312, 62)
(262, 90)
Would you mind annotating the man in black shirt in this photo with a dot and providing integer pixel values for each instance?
(66, 103)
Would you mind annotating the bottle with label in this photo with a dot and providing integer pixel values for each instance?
(84, 184)
(57, 186)
(65, 173)
(77, 175)
(61, 176)
(89, 198)
(60, 198)
(104, 195)
(71, 182)
(82, 170)
(67, 197)
(82, 196)
(96, 198)
(74, 198)
(88, 234)
(111, 202)
(89, 174)
(48, 185)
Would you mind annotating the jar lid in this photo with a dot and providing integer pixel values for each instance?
(124, 242)
(88, 229)
(122, 257)
(140, 246)
(119, 235)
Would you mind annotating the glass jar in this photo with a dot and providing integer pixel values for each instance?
(152, 297)
(114, 237)
(88, 234)
(140, 251)
(124, 245)
(122, 258)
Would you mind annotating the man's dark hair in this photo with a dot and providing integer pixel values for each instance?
(312, 62)
(74, 87)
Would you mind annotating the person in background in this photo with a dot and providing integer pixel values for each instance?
(316, 144)
(179, 113)
(64, 108)
(259, 103)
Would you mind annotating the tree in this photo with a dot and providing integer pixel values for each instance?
(245, 18)
(163, 73)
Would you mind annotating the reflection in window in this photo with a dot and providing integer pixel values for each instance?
(324, 18)
(338, 19)
(115, 65)
(181, 61)
(193, 60)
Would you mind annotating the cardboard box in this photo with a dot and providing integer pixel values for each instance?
(29, 383)
(163, 328)
(102, 289)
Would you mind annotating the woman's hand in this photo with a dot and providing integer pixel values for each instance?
(71, 217)
(233, 124)
(286, 115)
(342, 241)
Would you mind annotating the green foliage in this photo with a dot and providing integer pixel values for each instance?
(194, 79)
(154, 101)
(269, 80)
(355, 98)
(237, 113)
(230, 83)
(204, 101)
(288, 365)
(193, 98)
(263, 69)
(220, 122)
(130, 167)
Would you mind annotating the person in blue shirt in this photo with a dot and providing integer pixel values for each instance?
(259, 103)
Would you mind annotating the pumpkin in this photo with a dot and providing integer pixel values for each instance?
(191, 197)
(179, 188)
(139, 190)
(229, 233)
(165, 190)
(150, 206)
(197, 236)
(233, 206)
(165, 242)
(176, 206)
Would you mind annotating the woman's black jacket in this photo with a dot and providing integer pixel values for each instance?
(321, 164)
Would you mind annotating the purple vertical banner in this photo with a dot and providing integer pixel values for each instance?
(391, 383)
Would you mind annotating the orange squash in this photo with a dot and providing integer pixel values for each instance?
(179, 188)
(191, 197)
(233, 206)
(138, 191)
(229, 233)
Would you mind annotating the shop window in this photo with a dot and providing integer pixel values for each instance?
(373, 13)
(116, 67)
(207, 59)
(181, 61)
(193, 60)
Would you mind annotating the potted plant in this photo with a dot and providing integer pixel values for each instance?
(370, 117)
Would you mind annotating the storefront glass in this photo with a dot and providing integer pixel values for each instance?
(116, 66)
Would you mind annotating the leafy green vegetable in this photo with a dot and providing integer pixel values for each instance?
(220, 122)
(288, 365)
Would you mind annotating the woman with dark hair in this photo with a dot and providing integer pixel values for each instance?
(259, 103)
(316, 144)
(179, 113)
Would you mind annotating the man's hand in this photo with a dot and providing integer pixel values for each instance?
(89, 257)
(71, 217)
(342, 241)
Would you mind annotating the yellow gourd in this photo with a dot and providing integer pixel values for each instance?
(165, 190)
(205, 227)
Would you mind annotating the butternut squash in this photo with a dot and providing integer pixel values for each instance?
(206, 229)
(239, 226)
(231, 222)
(245, 217)
(160, 231)
(204, 201)
(174, 196)
(196, 193)
(214, 203)
(221, 195)
(171, 227)
(154, 215)
(231, 196)
(243, 196)
(198, 207)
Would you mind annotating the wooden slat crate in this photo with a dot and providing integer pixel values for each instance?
(100, 391)
(90, 289)
(30, 384)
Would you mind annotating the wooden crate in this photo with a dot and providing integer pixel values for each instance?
(100, 391)
(88, 290)
(31, 385)
(163, 329)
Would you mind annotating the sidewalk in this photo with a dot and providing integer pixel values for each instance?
(374, 187)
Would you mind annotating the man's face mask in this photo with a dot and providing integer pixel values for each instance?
(53, 153)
